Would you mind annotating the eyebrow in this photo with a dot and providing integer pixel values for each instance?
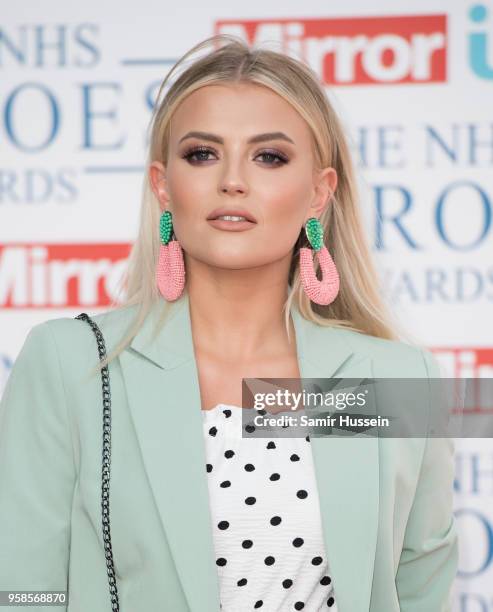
(253, 139)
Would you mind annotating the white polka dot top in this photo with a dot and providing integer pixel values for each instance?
(266, 521)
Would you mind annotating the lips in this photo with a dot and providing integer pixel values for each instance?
(219, 212)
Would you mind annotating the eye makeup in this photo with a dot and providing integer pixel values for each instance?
(192, 152)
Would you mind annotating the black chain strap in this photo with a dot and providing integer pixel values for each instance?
(105, 473)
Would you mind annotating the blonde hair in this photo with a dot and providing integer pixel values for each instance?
(359, 305)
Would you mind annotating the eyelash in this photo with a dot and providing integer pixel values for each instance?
(188, 155)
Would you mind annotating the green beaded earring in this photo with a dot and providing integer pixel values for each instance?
(165, 226)
(319, 291)
(314, 233)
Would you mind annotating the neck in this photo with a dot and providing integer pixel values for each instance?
(239, 313)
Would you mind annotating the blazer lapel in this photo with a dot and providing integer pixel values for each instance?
(164, 398)
(161, 380)
(347, 472)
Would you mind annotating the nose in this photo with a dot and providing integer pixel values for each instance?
(232, 177)
(232, 188)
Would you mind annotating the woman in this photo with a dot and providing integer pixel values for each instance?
(249, 181)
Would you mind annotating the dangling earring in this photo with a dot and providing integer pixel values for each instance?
(319, 291)
(170, 271)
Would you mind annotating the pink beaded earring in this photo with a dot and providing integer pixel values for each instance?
(170, 271)
(319, 291)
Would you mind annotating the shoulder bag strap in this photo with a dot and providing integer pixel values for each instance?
(105, 473)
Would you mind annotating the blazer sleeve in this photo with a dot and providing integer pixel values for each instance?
(429, 558)
(37, 473)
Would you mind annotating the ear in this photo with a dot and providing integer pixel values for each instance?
(325, 186)
(157, 178)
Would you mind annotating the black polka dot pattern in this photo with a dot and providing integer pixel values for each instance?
(266, 518)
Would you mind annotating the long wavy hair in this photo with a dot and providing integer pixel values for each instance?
(359, 305)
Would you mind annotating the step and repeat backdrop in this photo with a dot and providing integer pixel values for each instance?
(413, 85)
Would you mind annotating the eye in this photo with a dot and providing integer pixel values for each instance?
(199, 154)
(191, 153)
(282, 159)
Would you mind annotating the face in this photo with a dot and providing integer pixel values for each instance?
(273, 180)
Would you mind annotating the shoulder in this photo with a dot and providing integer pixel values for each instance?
(72, 337)
(392, 357)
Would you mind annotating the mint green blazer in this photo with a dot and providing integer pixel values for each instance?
(386, 504)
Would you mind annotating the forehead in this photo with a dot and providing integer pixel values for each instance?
(242, 108)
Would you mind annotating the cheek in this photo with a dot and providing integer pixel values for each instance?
(188, 197)
(284, 214)
(189, 202)
(285, 210)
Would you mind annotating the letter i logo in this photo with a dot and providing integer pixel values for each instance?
(478, 44)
